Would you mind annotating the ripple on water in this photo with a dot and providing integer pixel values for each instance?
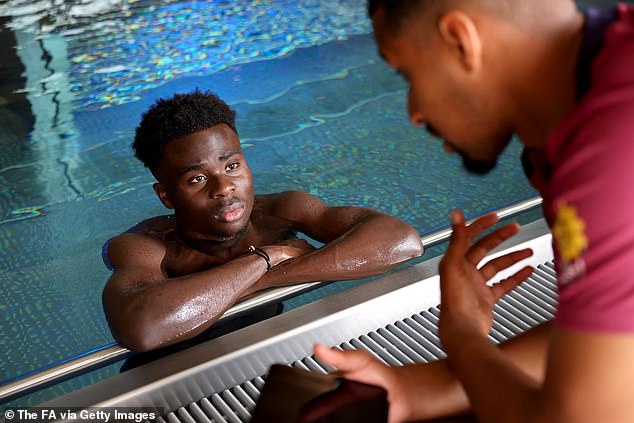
(116, 55)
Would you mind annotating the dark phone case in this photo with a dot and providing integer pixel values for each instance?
(293, 395)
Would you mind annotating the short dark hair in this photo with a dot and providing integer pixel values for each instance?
(177, 117)
(396, 11)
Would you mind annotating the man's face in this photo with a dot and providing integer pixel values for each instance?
(206, 180)
(456, 102)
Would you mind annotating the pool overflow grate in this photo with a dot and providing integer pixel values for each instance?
(410, 340)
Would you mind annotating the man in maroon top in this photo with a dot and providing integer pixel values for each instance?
(563, 81)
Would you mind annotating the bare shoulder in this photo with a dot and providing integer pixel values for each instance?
(136, 249)
(156, 226)
(290, 204)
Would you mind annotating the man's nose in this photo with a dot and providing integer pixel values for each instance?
(222, 186)
(415, 115)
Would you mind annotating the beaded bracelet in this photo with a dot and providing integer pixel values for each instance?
(260, 252)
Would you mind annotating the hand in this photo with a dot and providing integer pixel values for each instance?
(362, 367)
(466, 299)
(286, 250)
(415, 391)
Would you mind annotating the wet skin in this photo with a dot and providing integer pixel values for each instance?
(206, 180)
(176, 275)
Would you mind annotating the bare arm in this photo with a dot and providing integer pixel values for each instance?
(146, 309)
(359, 242)
(587, 374)
(431, 390)
(526, 351)
(588, 379)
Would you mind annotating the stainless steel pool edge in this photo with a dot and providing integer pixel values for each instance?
(111, 353)
(46, 377)
(442, 235)
(223, 362)
(102, 357)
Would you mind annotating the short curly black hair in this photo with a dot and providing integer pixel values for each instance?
(177, 117)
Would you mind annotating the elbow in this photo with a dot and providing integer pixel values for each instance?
(134, 337)
(410, 243)
(134, 330)
(136, 340)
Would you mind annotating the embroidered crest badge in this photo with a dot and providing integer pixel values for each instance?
(569, 233)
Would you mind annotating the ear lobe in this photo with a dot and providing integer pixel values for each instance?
(458, 30)
(159, 189)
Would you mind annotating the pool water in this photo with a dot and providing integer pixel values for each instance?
(317, 111)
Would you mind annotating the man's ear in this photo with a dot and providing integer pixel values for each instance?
(159, 189)
(459, 32)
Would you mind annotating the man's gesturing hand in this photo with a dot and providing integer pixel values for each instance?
(466, 299)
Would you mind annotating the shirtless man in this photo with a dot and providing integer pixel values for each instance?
(175, 275)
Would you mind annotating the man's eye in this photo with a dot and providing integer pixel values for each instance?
(196, 179)
(232, 166)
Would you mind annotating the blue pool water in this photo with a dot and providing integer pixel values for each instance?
(317, 111)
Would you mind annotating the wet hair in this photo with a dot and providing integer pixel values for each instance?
(177, 117)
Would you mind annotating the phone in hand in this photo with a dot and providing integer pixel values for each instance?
(293, 395)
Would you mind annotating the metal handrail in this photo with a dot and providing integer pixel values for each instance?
(442, 235)
(113, 352)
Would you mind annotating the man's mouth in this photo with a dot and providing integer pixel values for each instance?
(230, 213)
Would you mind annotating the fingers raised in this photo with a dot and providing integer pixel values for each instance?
(492, 267)
(489, 242)
(459, 241)
(481, 224)
(506, 285)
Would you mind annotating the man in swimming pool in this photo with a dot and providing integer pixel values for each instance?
(173, 276)
(563, 81)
